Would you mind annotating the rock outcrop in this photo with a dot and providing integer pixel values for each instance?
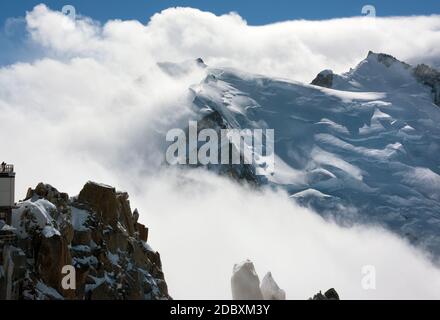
(95, 233)
(330, 294)
(429, 77)
(245, 282)
(239, 172)
(270, 289)
(324, 79)
(245, 285)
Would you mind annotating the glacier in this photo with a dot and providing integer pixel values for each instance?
(360, 147)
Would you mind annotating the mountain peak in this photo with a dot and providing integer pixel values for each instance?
(379, 71)
(183, 68)
(324, 79)
(386, 59)
(201, 63)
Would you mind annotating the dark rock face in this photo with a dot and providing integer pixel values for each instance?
(242, 172)
(13, 271)
(330, 294)
(53, 255)
(102, 200)
(324, 79)
(430, 77)
(386, 59)
(201, 63)
(95, 233)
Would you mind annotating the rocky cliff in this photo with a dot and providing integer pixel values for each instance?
(95, 234)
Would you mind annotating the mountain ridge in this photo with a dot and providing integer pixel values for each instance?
(352, 80)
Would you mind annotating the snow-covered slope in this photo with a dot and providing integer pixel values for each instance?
(361, 147)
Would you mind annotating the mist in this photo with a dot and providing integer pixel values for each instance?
(97, 107)
(203, 224)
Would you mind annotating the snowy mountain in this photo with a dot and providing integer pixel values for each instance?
(358, 147)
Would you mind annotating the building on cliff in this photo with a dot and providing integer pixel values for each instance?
(7, 191)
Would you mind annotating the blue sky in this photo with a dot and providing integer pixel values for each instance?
(15, 46)
(256, 12)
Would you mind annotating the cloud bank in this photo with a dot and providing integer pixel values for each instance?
(206, 224)
(293, 49)
(95, 106)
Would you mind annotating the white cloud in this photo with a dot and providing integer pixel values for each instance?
(292, 49)
(202, 225)
(97, 107)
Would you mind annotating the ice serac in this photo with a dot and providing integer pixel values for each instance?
(95, 232)
(360, 147)
(270, 289)
(245, 283)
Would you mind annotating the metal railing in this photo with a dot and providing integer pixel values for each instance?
(6, 168)
(8, 237)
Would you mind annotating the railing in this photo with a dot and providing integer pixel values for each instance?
(8, 238)
(6, 168)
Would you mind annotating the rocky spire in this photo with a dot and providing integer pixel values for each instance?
(270, 289)
(245, 282)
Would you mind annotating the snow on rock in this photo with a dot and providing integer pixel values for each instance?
(49, 232)
(113, 258)
(79, 219)
(45, 291)
(310, 193)
(34, 215)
